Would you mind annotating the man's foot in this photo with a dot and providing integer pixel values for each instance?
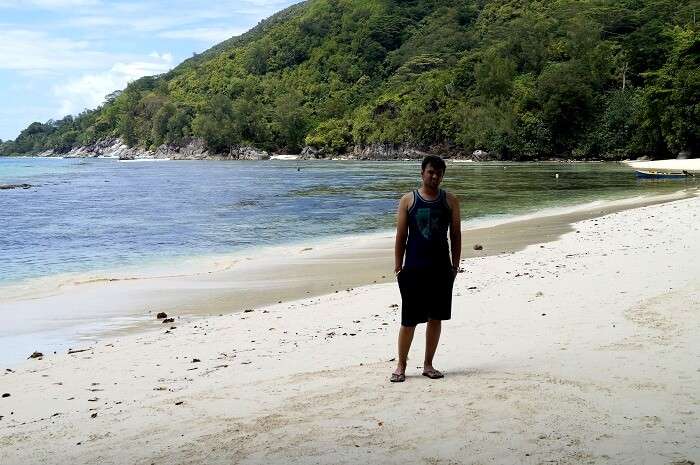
(432, 373)
(399, 375)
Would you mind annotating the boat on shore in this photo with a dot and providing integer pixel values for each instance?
(666, 169)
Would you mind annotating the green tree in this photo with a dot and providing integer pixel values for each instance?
(672, 101)
(218, 124)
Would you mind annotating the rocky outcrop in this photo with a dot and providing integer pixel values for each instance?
(387, 152)
(368, 152)
(308, 153)
(249, 153)
(384, 152)
(15, 186)
(101, 148)
(194, 149)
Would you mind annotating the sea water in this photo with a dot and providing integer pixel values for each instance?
(88, 214)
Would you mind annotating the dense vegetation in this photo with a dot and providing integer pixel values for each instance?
(519, 78)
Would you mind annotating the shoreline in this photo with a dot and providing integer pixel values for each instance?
(583, 350)
(127, 302)
(195, 149)
(298, 157)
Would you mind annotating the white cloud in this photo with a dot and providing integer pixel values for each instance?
(26, 50)
(89, 90)
(167, 57)
(47, 4)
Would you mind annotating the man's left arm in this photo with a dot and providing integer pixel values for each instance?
(455, 233)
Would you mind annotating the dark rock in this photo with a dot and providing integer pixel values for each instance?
(248, 153)
(312, 152)
(387, 152)
(478, 247)
(169, 320)
(196, 360)
(15, 186)
(75, 351)
(36, 355)
(7, 394)
(162, 315)
(247, 310)
(179, 402)
(94, 415)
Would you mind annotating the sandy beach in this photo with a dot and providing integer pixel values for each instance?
(65, 310)
(581, 347)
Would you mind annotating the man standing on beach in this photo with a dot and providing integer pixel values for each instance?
(424, 267)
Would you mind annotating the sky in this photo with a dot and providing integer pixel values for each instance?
(58, 57)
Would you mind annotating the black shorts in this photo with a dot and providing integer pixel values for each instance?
(426, 294)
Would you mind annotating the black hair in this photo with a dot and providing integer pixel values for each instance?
(436, 162)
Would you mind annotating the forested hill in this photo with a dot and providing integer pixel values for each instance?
(519, 78)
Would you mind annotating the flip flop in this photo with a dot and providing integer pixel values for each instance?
(397, 378)
(433, 374)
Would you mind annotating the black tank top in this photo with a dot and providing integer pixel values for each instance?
(428, 222)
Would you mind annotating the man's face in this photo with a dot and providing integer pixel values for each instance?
(432, 177)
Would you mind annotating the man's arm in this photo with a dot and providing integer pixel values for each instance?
(455, 232)
(401, 233)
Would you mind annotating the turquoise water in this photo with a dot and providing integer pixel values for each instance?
(86, 214)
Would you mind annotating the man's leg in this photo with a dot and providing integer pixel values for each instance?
(432, 337)
(405, 339)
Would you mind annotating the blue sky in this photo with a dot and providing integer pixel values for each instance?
(58, 57)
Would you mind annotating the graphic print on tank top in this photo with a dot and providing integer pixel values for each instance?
(429, 222)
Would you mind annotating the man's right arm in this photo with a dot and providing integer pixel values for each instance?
(401, 233)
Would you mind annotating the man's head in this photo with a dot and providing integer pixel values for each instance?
(432, 170)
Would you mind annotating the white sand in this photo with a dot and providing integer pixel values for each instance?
(668, 166)
(584, 350)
